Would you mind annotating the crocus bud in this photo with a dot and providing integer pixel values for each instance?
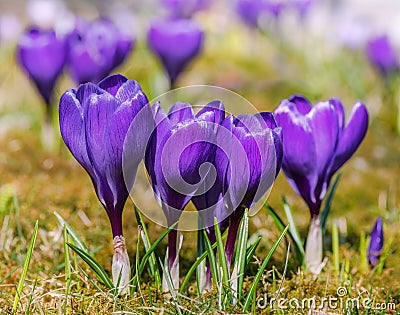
(42, 54)
(95, 49)
(316, 143)
(178, 158)
(248, 159)
(99, 123)
(376, 243)
(382, 55)
(176, 43)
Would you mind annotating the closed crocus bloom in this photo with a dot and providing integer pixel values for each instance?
(177, 159)
(95, 121)
(95, 49)
(382, 55)
(176, 43)
(247, 161)
(184, 8)
(42, 54)
(316, 143)
(376, 243)
(250, 11)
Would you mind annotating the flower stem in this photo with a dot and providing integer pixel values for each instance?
(172, 252)
(120, 265)
(232, 232)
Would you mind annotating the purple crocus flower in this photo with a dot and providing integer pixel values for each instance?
(382, 55)
(177, 158)
(302, 7)
(247, 161)
(42, 54)
(376, 243)
(249, 11)
(182, 9)
(95, 120)
(176, 43)
(317, 142)
(95, 49)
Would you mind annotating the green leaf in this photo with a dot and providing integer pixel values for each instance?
(260, 271)
(28, 257)
(146, 241)
(298, 246)
(149, 252)
(328, 202)
(292, 227)
(221, 253)
(335, 247)
(252, 248)
(94, 265)
(74, 235)
(240, 259)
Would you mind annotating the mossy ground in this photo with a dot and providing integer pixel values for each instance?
(46, 180)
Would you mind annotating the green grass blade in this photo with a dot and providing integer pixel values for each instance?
(26, 266)
(211, 257)
(328, 202)
(292, 227)
(74, 235)
(221, 253)
(335, 247)
(149, 252)
(299, 248)
(363, 252)
(146, 241)
(94, 265)
(251, 250)
(240, 259)
(67, 266)
(6, 198)
(260, 272)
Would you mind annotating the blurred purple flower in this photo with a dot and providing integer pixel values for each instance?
(42, 55)
(176, 43)
(249, 11)
(376, 243)
(382, 55)
(247, 161)
(177, 159)
(95, 49)
(182, 9)
(302, 7)
(316, 143)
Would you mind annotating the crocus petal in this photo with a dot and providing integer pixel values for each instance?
(299, 158)
(112, 83)
(325, 127)
(180, 112)
(352, 135)
(303, 105)
(73, 130)
(339, 108)
(217, 107)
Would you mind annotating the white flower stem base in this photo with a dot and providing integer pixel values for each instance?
(314, 250)
(120, 265)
